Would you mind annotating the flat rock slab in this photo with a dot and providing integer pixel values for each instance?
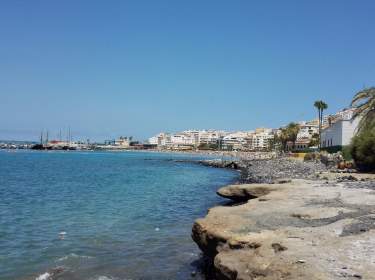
(297, 230)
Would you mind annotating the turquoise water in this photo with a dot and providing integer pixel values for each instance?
(125, 215)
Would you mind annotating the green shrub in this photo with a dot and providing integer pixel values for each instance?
(346, 153)
(332, 149)
(206, 146)
(363, 150)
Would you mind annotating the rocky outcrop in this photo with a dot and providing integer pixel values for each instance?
(297, 230)
(244, 192)
(218, 163)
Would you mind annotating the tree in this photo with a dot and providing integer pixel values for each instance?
(362, 149)
(208, 146)
(321, 106)
(314, 140)
(283, 138)
(289, 133)
(293, 130)
(273, 144)
(364, 102)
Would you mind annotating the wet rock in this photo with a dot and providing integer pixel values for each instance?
(218, 163)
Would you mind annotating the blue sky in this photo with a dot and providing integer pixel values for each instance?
(111, 68)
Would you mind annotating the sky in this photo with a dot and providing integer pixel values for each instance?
(118, 67)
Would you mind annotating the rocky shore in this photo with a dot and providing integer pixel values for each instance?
(270, 170)
(291, 220)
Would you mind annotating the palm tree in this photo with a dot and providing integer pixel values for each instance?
(321, 106)
(364, 101)
(293, 129)
(289, 133)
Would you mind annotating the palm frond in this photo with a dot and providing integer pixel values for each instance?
(368, 120)
(367, 93)
(361, 110)
(364, 102)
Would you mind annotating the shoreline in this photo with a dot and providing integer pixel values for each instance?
(186, 213)
(239, 155)
(272, 227)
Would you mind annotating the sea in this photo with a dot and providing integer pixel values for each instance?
(103, 215)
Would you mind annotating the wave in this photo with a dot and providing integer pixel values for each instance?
(51, 274)
(44, 276)
(74, 256)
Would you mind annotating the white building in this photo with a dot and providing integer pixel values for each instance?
(210, 136)
(187, 138)
(340, 133)
(183, 139)
(122, 142)
(236, 141)
(307, 130)
(161, 140)
(241, 140)
(153, 140)
(193, 135)
(261, 141)
(345, 114)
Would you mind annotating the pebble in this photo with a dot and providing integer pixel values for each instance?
(268, 171)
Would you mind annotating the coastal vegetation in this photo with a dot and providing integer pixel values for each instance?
(314, 142)
(364, 102)
(288, 134)
(362, 148)
(208, 146)
(321, 106)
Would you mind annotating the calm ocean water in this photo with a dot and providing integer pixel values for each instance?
(126, 215)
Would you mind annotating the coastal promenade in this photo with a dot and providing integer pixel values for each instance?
(317, 226)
